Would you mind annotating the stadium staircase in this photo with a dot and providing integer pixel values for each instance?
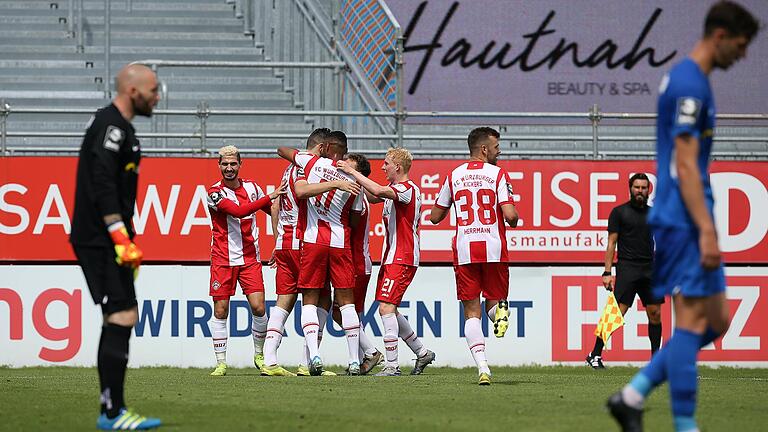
(40, 67)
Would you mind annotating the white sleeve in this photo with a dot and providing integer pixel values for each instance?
(403, 193)
(444, 198)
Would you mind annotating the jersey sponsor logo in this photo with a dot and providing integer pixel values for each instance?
(216, 197)
(113, 138)
(687, 110)
(253, 197)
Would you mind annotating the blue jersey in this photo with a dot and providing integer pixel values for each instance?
(685, 106)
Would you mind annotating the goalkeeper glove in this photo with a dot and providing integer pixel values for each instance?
(127, 252)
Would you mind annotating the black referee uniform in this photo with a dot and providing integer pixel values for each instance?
(635, 248)
(107, 176)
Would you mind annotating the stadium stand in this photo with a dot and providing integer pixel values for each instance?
(41, 68)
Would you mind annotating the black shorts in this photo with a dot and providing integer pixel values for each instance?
(634, 278)
(111, 285)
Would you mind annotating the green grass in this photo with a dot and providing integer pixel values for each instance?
(520, 399)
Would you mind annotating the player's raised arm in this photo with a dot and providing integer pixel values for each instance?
(306, 190)
(287, 153)
(375, 189)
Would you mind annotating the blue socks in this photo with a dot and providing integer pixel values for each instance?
(683, 349)
(676, 363)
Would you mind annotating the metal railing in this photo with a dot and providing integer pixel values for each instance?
(204, 112)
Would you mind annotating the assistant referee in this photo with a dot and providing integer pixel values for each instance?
(627, 226)
(102, 234)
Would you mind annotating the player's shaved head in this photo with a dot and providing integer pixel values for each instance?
(133, 75)
(137, 91)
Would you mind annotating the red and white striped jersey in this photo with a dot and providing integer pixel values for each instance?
(327, 215)
(401, 218)
(361, 253)
(234, 240)
(477, 190)
(288, 215)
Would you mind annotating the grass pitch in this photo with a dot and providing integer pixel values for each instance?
(520, 399)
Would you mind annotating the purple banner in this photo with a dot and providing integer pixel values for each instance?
(512, 55)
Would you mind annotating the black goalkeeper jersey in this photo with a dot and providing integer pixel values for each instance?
(107, 176)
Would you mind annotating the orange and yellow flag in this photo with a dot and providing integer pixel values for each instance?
(611, 319)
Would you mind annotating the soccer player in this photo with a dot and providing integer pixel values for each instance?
(400, 258)
(326, 252)
(481, 195)
(687, 265)
(627, 226)
(286, 256)
(102, 234)
(235, 253)
(361, 256)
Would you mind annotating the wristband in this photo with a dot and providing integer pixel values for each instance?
(606, 273)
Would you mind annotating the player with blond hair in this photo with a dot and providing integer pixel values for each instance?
(400, 257)
(235, 258)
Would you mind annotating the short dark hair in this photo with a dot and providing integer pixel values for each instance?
(732, 17)
(638, 176)
(338, 139)
(362, 163)
(318, 136)
(479, 135)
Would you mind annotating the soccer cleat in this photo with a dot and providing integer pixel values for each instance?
(328, 373)
(389, 371)
(422, 362)
(369, 362)
(353, 369)
(485, 379)
(595, 362)
(630, 419)
(276, 370)
(501, 320)
(316, 366)
(258, 361)
(127, 420)
(302, 371)
(221, 370)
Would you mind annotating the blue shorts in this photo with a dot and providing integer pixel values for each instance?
(677, 265)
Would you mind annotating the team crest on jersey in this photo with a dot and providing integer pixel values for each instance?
(688, 110)
(113, 138)
(215, 197)
(216, 285)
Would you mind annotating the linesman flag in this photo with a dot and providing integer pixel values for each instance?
(611, 319)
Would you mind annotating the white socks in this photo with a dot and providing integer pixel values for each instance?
(409, 336)
(219, 334)
(275, 326)
(259, 332)
(351, 324)
(390, 323)
(366, 344)
(492, 313)
(473, 333)
(311, 327)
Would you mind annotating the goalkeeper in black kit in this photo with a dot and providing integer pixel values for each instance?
(102, 235)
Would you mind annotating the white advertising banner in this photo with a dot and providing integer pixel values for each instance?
(47, 317)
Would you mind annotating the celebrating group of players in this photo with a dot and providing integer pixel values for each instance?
(320, 217)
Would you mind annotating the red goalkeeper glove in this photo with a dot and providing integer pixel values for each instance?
(127, 252)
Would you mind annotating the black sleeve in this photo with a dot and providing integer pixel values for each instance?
(614, 220)
(106, 146)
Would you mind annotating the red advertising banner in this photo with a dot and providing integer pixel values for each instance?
(577, 302)
(563, 206)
